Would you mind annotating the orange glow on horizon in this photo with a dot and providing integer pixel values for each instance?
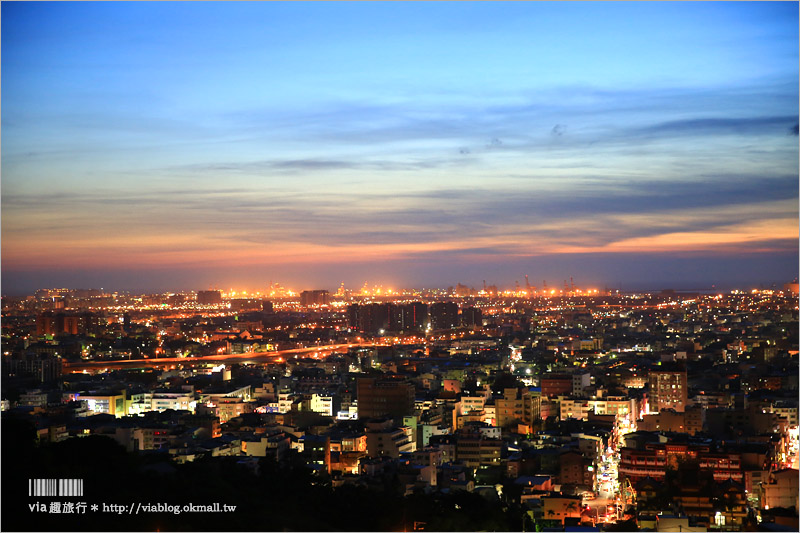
(171, 249)
(722, 239)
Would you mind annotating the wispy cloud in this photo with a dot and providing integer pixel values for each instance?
(181, 225)
(722, 126)
(303, 166)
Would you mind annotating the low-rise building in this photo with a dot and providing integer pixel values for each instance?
(561, 507)
(474, 449)
(385, 439)
(690, 421)
(781, 490)
(275, 445)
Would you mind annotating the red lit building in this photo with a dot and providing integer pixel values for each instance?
(654, 459)
(64, 324)
(556, 385)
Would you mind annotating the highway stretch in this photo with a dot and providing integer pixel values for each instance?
(253, 357)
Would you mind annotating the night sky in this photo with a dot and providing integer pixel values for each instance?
(155, 146)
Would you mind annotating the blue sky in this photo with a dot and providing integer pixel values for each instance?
(160, 145)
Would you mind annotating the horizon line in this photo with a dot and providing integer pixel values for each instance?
(576, 292)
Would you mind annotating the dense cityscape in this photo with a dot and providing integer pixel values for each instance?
(525, 409)
(399, 266)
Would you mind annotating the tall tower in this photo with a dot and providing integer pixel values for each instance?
(668, 388)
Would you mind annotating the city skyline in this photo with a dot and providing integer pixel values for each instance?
(182, 146)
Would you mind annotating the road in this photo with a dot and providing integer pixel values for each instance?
(607, 488)
(254, 357)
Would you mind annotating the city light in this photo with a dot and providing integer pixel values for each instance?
(522, 266)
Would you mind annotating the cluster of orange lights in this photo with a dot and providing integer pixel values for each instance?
(376, 291)
(258, 294)
(278, 291)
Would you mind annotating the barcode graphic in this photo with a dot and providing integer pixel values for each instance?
(55, 487)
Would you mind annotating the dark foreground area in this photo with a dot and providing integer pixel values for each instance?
(270, 497)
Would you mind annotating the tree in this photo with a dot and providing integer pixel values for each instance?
(505, 380)
(572, 507)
